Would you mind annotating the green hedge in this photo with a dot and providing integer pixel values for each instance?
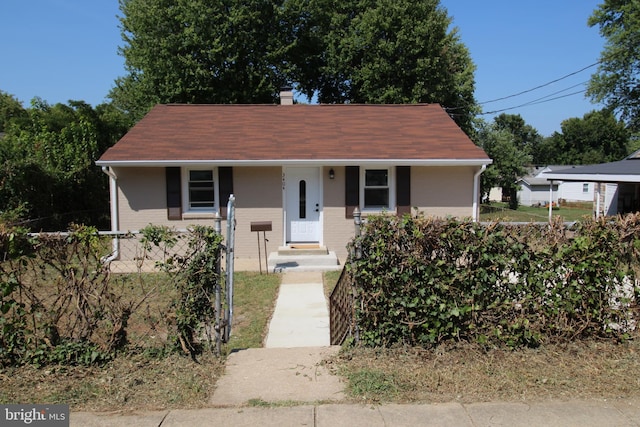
(424, 281)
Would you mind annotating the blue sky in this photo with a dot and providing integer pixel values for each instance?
(68, 49)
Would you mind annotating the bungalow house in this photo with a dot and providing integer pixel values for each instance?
(303, 168)
(617, 184)
(534, 188)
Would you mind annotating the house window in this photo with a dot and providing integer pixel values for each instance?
(376, 189)
(201, 190)
(585, 187)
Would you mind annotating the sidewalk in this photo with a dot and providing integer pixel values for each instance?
(285, 384)
(549, 414)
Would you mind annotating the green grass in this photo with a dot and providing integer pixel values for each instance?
(501, 212)
(254, 301)
(330, 280)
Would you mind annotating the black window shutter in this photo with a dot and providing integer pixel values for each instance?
(403, 190)
(351, 189)
(225, 184)
(174, 193)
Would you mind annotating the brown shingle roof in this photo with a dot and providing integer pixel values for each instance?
(296, 132)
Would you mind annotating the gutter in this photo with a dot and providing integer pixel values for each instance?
(476, 192)
(113, 195)
(295, 162)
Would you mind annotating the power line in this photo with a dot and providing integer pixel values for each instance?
(540, 86)
(526, 104)
(450, 109)
(543, 99)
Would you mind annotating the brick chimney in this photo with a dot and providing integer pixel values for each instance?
(286, 95)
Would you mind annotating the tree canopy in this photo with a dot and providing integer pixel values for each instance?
(510, 162)
(597, 137)
(617, 81)
(47, 155)
(372, 51)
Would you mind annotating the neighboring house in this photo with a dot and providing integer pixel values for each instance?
(534, 188)
(304, 168)
(617, 184)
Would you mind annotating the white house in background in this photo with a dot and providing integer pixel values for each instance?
(534, 188)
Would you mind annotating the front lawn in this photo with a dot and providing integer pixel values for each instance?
(501, 212)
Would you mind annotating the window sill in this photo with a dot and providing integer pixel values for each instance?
(369, 211)
(198, 215)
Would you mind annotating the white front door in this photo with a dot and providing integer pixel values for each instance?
(302, 204)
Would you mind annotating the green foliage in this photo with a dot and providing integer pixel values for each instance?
(510, 157)
(11, 111)
(616, 82)
(390, 51)
(197, 278)
(47, 160)
(374, 384)
(200, 52)
(424, 281)
(597, 137)
(377, 51)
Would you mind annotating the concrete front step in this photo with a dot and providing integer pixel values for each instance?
(302, 249)
(301, 262)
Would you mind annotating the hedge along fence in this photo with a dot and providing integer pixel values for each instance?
(60, 303)
(423, 281)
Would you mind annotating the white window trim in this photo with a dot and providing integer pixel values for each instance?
(392, 188)
(192, 213)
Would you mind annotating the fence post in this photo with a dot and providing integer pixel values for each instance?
(357, 220)
(217, 226)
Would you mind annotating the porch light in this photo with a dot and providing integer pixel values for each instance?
(332, 173)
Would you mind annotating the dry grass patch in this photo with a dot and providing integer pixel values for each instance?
(468, 373)
(134, 382)
(150, 378)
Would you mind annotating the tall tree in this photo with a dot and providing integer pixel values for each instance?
(525, 136)
(200, 51)
(11, 110)
(395, 51)
(358, 51)
(509, 161)
(617, 81)
(597, 137)
(47, 169)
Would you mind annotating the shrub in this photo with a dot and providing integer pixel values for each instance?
(423, 281)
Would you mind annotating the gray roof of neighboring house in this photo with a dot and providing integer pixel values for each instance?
(534, 178)
(627, 170)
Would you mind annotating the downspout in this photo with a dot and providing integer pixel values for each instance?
(598, 190)
(113, 195)
(476, 192)
(550, 201)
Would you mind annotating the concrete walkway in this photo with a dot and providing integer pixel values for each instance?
(290, 368)
(286, 384)
(301, 315)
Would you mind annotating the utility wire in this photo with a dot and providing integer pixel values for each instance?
(450, 109)
(540, 86)
(543, 99)
(533, 103)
